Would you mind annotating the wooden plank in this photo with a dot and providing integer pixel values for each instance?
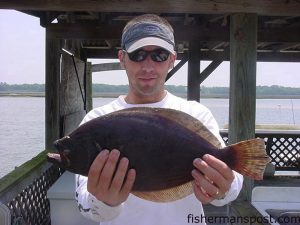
(89, 86)
(114, 32)
(213, 65)
(242, 77)
(194, 72)
(279, 34)
(13, 183)
(177, 67)
(72, 94)
(242, 103)
(72, 84)
(85, 31)
(106, 67)
(52, 120)
(191, 32)
(278, 56)
(263, 7)
(209, 69)
(70, 97)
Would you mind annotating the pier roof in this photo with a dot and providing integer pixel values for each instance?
(98, 24)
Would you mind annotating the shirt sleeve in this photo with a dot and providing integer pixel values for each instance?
(233, 192)
(89, 206)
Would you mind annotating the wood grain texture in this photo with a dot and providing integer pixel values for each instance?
(242, 104)
(263, 7)
(52, 119)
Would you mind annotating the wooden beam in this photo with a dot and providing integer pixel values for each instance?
(278, 57)
(52, 92)
(106, 67)
(102, 53)
(242, 101)
(218, 59)
(177, 67)
(269, 56)
(72, 95)
(209, 69)
(191, 32)
(278, 34)
(242, 76)
(287, 46)
(262, 7)
(113, 31)
(88, 86)
(194, 72)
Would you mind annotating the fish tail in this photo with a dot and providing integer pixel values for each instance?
(250, 158)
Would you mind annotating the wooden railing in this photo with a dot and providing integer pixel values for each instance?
(24, 191)
(283, 147)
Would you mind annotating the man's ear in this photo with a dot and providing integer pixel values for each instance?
(121, 56)
(172, 61)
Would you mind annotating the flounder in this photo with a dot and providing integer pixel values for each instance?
(161, 145)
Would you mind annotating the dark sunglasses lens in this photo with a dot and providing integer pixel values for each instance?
(160, 55)
(157, 55)
(138, 56)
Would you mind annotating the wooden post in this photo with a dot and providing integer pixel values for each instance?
(194, 71)
(72, 94)
(242, 104)
(88, 86)
(52, 118)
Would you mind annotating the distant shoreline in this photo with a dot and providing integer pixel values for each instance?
(115, 95)
(113, 91)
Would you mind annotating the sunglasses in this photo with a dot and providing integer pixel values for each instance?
(157, 55)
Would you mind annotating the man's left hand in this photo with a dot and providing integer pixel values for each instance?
(213, 178)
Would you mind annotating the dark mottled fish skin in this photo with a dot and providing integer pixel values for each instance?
(159, 148)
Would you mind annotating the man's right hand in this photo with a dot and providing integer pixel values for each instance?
(108, 181)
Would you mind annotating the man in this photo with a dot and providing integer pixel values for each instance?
(147, 55)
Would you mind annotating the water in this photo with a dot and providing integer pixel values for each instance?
(22, 133)
(268, 111)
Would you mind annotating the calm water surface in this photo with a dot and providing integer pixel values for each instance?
(22, 132)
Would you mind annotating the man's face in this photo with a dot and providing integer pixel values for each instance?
(146, 78)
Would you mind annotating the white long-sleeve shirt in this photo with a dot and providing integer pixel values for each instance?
(142, 212)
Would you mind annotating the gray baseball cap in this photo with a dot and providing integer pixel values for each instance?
(148, 33)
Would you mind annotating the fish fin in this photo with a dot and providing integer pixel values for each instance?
(192, 124)
(250, 158)
(181, 118)
(166, 195)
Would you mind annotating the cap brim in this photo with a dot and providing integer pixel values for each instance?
(151, 41)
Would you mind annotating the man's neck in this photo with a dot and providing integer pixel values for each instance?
(131, 98)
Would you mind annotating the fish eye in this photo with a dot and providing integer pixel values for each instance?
(66, 152)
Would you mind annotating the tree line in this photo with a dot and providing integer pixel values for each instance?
(105, 88)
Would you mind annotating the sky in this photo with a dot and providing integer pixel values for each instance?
(22, 48)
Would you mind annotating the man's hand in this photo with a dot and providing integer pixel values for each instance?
(213, 178)
(107, 180)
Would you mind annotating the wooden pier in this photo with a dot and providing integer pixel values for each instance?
(242, 32)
